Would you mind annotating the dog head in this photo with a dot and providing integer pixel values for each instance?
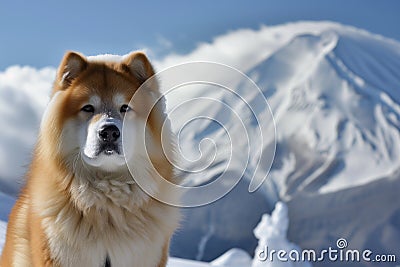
(90, 102)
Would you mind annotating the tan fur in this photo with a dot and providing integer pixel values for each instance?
(68, 215)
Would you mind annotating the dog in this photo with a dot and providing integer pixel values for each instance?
(81, 205)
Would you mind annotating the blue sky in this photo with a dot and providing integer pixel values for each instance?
(37, 33)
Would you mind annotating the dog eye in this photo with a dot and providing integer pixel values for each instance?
(88, 108)
(125, 108)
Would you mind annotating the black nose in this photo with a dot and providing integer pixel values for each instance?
(109, 133)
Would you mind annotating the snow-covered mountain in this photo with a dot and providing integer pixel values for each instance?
(334, 92)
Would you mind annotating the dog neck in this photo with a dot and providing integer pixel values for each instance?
(101, 190)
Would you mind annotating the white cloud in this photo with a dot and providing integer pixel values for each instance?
(23, 96)
(164, 42)
(244, 48)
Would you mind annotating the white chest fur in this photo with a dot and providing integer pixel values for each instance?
(86, 240)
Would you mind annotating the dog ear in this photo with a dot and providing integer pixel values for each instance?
(71, 66)
(138, 65)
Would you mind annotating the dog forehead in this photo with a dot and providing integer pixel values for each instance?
(106, 81)
(95, 100)
(117, 99)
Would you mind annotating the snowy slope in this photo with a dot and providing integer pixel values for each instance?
(334, 99)
(324, 107)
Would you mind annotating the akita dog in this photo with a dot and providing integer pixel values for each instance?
(80, 206)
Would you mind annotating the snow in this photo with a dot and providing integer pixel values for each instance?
(233, 258)
(334, 93)
(271, 232)
(174, 262)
